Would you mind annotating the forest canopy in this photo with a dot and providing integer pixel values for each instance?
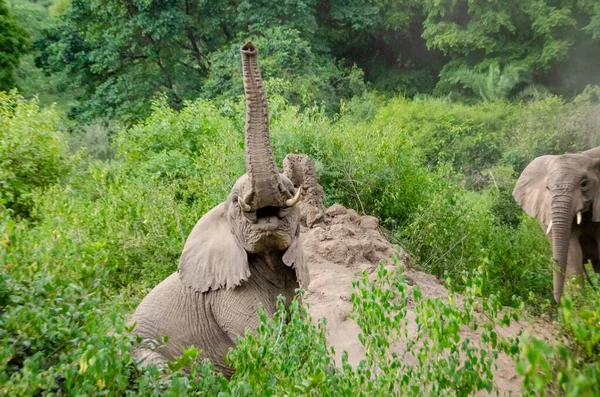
(113, 56)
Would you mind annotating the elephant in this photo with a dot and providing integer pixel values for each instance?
(243, 253)
(563, 193)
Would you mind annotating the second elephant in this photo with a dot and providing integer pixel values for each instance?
(563, 193)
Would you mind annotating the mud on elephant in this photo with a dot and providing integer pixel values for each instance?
(243, 253)
(563, 193)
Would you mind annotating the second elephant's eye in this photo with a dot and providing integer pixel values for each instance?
(584, 184)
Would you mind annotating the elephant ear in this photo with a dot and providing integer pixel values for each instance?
(212, 257)
(595, 153)
(530, 191)
(294, 257)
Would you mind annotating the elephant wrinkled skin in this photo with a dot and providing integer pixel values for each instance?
(241, 254)
(563, 193)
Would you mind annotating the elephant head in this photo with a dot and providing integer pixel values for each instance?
(260, 215)
(560, 191)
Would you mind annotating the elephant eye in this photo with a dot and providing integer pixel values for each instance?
(584, 184)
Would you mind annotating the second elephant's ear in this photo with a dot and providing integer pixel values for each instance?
(530, 191)
(212, 257)
(294, 257)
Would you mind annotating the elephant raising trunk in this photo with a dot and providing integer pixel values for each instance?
(267, 188)
(242, 254)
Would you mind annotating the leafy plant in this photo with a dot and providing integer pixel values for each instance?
(569, 366)
(495, 85)
(14, 41)
(33, 154)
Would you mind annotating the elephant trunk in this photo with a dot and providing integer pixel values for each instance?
(562, 219)
(266, 186)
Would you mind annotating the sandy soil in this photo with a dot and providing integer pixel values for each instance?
(340, 244)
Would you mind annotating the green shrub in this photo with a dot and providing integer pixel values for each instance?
(54, 315)
(196, 151)
(74, 341)
(368, 168)
(33, 154)
(446, 364)
(62, 325)
(570, 366)
(372, 167)
(95, 138)
(139, 222)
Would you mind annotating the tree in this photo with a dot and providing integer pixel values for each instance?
(13, 44)
(544, 35)
(496, 84)
(120, 53)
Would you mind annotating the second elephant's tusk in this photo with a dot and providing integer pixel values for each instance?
(549, 228)
(291, 202)
(579, 217)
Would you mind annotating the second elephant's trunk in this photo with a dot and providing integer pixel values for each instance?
(562, 219)
(267, 189)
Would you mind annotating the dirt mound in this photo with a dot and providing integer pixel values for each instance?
(340, 244)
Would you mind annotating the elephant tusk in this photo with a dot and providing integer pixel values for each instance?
(291, 202)
(245, 207)
(579, 217)
(549, 228)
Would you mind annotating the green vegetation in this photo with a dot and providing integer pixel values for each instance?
(34, 154)
(108, 58)
(13, 43)
(121, 122)
(98, 235)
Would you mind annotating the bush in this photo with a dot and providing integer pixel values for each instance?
(197, 151)
(75, 341)
(571, 366)
(95, 138)
(372, 167)
(311, 74)
(33, 154)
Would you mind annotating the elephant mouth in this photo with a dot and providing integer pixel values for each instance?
(270, 218)
(268, 234)
(268, 212)
(272, 229)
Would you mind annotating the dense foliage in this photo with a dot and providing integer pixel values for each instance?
(13, 43)
(113, 56)
(104, 233)
(33, 154)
